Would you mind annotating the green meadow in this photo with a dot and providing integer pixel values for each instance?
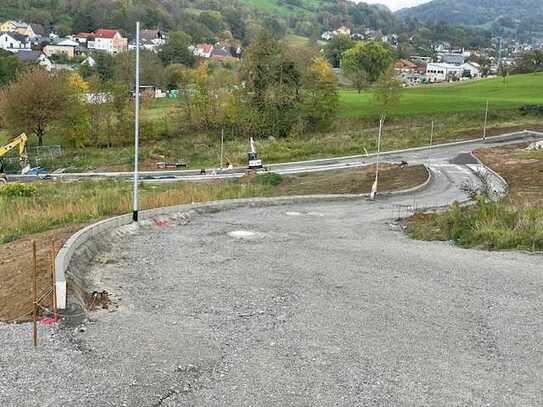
(465, 97)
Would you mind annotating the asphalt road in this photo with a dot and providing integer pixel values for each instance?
(302, 305)
(437, 154)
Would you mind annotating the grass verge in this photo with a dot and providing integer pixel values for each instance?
(515, 223)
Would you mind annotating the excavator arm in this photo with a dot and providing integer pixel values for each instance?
(20, 143)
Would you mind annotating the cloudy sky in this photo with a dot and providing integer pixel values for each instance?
(397, 4)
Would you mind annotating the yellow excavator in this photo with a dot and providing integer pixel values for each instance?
(20, 143)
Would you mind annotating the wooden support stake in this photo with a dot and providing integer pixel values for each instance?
(34, 294)
(54, 279)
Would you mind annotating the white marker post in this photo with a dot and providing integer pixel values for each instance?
(486, 120)
(431, 142)
(222, 147)
(136, 127)
(376, 183)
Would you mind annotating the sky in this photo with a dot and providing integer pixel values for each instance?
(397, 4)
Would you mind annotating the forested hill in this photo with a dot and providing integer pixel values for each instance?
(203, 18)
(518, 17)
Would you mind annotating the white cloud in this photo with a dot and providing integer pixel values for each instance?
(396, 4)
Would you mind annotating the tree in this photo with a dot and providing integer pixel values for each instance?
(387, 92)
(504, 73)
(530, 62)
(151, 68)
(175, 76)
(336, 47)
(366, 62)
(273, 85)
(321, 98)
(34, 102)
(212, 20)
(176, 50)
(9, 65)
(75, 124)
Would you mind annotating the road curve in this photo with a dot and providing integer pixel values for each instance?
(316, 304)
(414, 155)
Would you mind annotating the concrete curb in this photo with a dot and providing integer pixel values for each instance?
(501, 180)
(87, 234)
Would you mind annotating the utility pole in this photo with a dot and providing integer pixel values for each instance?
(137, 127)
(486, 120)
(376, 183)
(34, 294)
(222, 146)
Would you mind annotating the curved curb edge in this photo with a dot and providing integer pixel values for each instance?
(68, 250)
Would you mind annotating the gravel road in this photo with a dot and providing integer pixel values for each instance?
(304, 305)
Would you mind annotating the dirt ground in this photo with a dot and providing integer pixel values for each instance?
(16, 272)
(358, 181)
(522, 169)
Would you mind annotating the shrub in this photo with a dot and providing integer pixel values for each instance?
(17, 190)
(536, 110)
(271, 179)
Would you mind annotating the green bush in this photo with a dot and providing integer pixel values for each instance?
(15, 190)
(270, 179)
(535, 110)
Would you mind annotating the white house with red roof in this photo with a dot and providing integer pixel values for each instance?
(202, 50)
(110, 41)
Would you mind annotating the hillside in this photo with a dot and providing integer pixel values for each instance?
(203, 19)
(501, 16)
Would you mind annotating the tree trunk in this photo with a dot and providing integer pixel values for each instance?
(39, 135)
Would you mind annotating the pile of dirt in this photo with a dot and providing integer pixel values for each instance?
(16, 272)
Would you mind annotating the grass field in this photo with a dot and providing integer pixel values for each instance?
(465, 97)
(280, 8)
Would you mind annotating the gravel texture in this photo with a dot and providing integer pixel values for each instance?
(321, 305)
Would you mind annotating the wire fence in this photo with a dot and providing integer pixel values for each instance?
(38, 156)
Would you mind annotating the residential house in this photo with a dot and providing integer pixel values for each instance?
(221, 54)
(328, 35)
(110, 41)
(61, 46)
(406, 72)
(34, 57)
(39, 30)
(404, 66)
(202, 50)
(19, 27)
(343, 31)
(13, 41)
(83, 39)
(152, 40)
